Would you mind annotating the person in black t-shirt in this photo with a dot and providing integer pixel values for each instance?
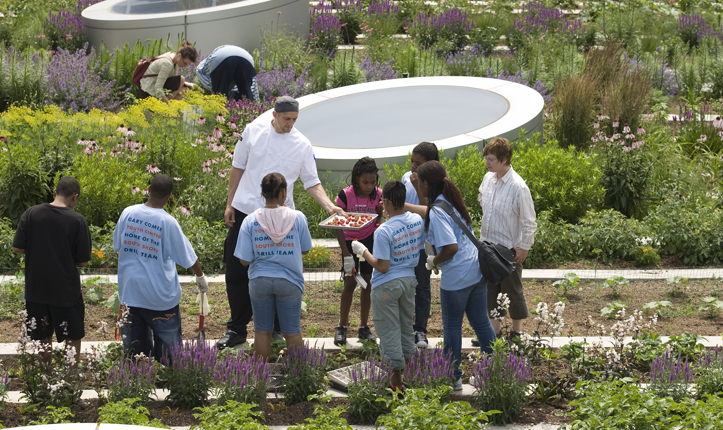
(55, 239)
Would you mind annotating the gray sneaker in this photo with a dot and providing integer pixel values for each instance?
(420, 339)
(365, 333)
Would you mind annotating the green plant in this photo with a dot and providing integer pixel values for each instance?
(188, 373)
(324, 418)
(128, 412)
(501, 381)
(304, 373)
(608, 235)
(23, 183)
(617, 404)
(422, 409)
(12, 296)
(698, 414)
(574, 104)
(206, 238)
(569, 282)
(368, 383)
(712, 306)
(615, 284)
(646, 256)
(678, 286)
(345, 70)
(709, 374)
(612, 309)
(132, 378)
(231, 415)
(54, 415)
(241, 378)
(8, 258)
(656, 307)
(318, 256)
(670, 376)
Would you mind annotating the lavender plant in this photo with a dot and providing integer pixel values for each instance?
(240, 378)
(75, 83)
(500, 381)
(22, 77)
(430, 368)
(374, 71)
(132, 378)
(65, 30)
(188, 373)
(446, 32)
(281, 81)
(350, 13)
(710, 373)
(369, 382)
(692, 28)
(325, 32)
(670, 376)
(304, 372)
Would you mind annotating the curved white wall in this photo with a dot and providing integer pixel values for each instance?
(232, 24)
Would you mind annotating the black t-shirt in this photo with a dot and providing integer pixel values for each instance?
(54, 239)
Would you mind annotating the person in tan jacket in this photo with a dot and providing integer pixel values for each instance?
(162, 80)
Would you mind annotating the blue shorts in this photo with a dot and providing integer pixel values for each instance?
(275, 295)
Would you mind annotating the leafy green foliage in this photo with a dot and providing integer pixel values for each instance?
(569, 282)
(53, 415)
(422, 409)
(646, 256)
(608, 235)
(616, 283)
(230, 416)
(304, 373)
(617, 404)
(677, 285)
(128, 412)
(712, 306)
(324, 418)
(207, 240)
(22, 182)
(561, 181)
(612, 309)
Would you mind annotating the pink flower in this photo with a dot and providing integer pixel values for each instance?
(176, 179)
(5, 149)
(3, 139)
(702, 139)
(201, 187)
(202, 120)
(230, 153)
(41, 36)
(232, 125)
(641, 130)
(236, 134)
(626, 129)
(82, 141)
(199, 141)
(145, 192)
(68, 37)
(720, 134)
(596, 125)
(130, 132)
(594, 139)
(616, 123)
(152, 168)
(718, 122)
(222, 174)
(134, 190)
(122, 129)
(217, 133)
(220, 118)
(186, 210)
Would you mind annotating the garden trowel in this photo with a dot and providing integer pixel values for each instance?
(203, 310)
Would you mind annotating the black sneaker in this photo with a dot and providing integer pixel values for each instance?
(230, 339)
(420, 339)
(277, 335)
(340, 336)
(475, 341)
(365, 333)
(513, 335)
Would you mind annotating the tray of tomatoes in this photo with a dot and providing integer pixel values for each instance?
(352, 221)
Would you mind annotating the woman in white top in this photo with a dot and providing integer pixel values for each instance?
(162, 79)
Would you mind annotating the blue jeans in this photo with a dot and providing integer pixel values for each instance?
(152, 332)
(423, 293)
(275, 295)
(472, 301)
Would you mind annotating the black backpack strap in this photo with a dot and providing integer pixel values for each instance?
(450, 211)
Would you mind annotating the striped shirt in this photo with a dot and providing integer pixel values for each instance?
(508, 213)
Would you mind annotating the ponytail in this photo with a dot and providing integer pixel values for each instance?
(435, 175)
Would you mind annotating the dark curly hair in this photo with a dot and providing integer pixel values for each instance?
(395, 192)
(272, 184)
(364, 165)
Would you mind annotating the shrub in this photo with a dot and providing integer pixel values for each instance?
(206, 238)
(75, 82)
(128, 412)
(350, 13)
(188, 373)
(23, 182)
(304, 373)
(107, 187)
(646, 256)
(65, 30)
(555, 242)
(466, 170)
(430, 368)
(691, 231)
(318, 256)
(608, 235)
(710, 373)
(561, 181)
(447, 32)
(22, 77)
(324, 418)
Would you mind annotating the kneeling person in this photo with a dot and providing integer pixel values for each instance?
(150, 243)
(397, 244)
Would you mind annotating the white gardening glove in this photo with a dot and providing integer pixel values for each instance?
(202, 283)
(202, 301)
(348, 265)
(358, 248)
(430, 262)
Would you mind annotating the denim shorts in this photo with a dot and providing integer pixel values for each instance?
(275, 295)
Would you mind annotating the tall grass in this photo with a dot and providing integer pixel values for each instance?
(22, 77)
(574, 106)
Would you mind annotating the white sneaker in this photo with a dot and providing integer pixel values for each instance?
(420, 339)
(458, 385)
(472, 381)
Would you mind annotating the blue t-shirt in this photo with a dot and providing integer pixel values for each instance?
(412, 197)
(399, 241)
(462, 270)
(274, 260)
(150, 243)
